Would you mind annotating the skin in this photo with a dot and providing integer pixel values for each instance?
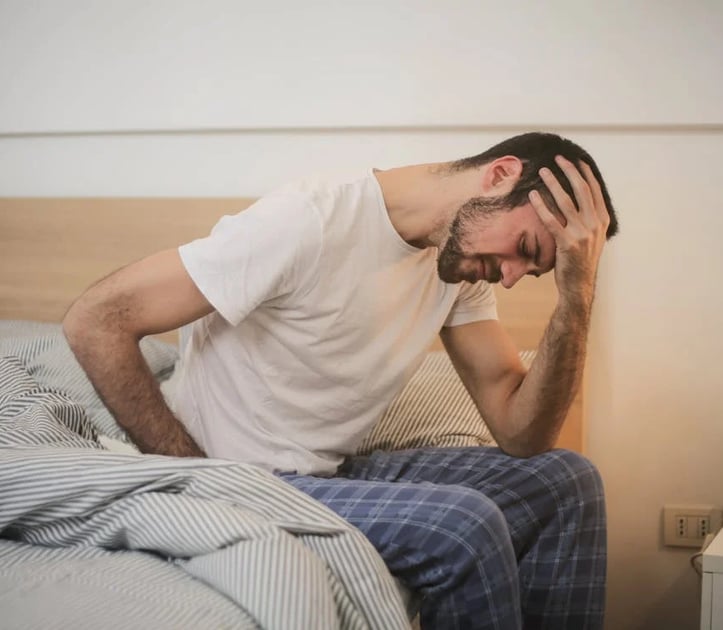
(104, 328)
(524, 409)
(500, 248)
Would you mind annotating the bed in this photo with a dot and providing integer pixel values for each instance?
(93, 534)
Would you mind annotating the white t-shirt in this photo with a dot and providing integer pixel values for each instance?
(322, 314)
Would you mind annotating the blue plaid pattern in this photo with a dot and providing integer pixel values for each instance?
(487, 540)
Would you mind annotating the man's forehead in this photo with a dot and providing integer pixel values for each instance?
(544, 242)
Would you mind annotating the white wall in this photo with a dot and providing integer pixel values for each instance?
(167, 64)
(225, 98)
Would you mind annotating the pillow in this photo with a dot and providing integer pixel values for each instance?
(433, 409)
(42, 347)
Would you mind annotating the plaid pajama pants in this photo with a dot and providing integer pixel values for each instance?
(487, 540)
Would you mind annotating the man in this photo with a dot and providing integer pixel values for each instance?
(310, 311)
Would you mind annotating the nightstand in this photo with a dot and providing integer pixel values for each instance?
(711, 611)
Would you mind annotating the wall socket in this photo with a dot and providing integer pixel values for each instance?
(688, 525)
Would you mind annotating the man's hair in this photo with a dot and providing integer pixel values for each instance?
(535, 150)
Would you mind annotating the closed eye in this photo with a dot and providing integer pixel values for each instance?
(525, 253)
(522, 248)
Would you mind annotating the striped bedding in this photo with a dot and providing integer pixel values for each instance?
(433, 409)
(91, 539)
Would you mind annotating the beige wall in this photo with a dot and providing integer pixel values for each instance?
(655, 386)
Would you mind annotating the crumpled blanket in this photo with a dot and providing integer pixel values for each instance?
(283, 558)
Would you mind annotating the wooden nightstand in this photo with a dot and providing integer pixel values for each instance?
(711, 612)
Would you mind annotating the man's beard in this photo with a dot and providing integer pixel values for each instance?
(471, 217)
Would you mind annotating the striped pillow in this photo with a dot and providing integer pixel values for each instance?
(433, 409)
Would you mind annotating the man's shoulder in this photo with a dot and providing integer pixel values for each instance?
(325, 182)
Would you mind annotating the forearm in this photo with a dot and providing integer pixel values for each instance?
(540, 401)
(114, 364)
(539, 405)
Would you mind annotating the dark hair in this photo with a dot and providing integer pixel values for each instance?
(537, 149)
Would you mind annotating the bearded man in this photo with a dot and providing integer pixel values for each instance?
(308, 312)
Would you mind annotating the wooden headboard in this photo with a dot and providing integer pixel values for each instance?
(52, 249)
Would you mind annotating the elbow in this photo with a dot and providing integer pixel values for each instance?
(90, 319)
(524, 447)
(73, 323)
(524, 452)
(529, 436)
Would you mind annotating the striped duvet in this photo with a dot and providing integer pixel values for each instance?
(94, 539)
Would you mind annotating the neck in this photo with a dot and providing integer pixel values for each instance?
(423, 199)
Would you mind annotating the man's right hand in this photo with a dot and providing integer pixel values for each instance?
(580, 240)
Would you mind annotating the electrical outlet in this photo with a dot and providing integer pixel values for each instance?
(681, 526)
(688, 525)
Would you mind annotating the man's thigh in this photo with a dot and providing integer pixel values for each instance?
(422, 530)
(527, 491)
(386, 504)
(485, 469)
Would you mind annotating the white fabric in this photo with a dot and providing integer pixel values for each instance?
(323, 314)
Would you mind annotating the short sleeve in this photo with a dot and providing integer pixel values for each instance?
(269, 250)
(474, 302)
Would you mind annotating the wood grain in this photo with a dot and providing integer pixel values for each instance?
(51, 250)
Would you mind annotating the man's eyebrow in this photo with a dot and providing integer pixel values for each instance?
(537, 251)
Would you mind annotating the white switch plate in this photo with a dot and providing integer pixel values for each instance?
(688, 525)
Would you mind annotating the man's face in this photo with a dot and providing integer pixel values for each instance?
(495, 245)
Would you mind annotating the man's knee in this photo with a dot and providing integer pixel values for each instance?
(471, 525)
(570, 474)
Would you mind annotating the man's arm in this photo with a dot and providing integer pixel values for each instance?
(525, 411)
(104, 328)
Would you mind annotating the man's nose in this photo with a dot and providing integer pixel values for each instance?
(512, 271)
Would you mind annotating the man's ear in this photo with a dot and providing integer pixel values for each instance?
(500, 175)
